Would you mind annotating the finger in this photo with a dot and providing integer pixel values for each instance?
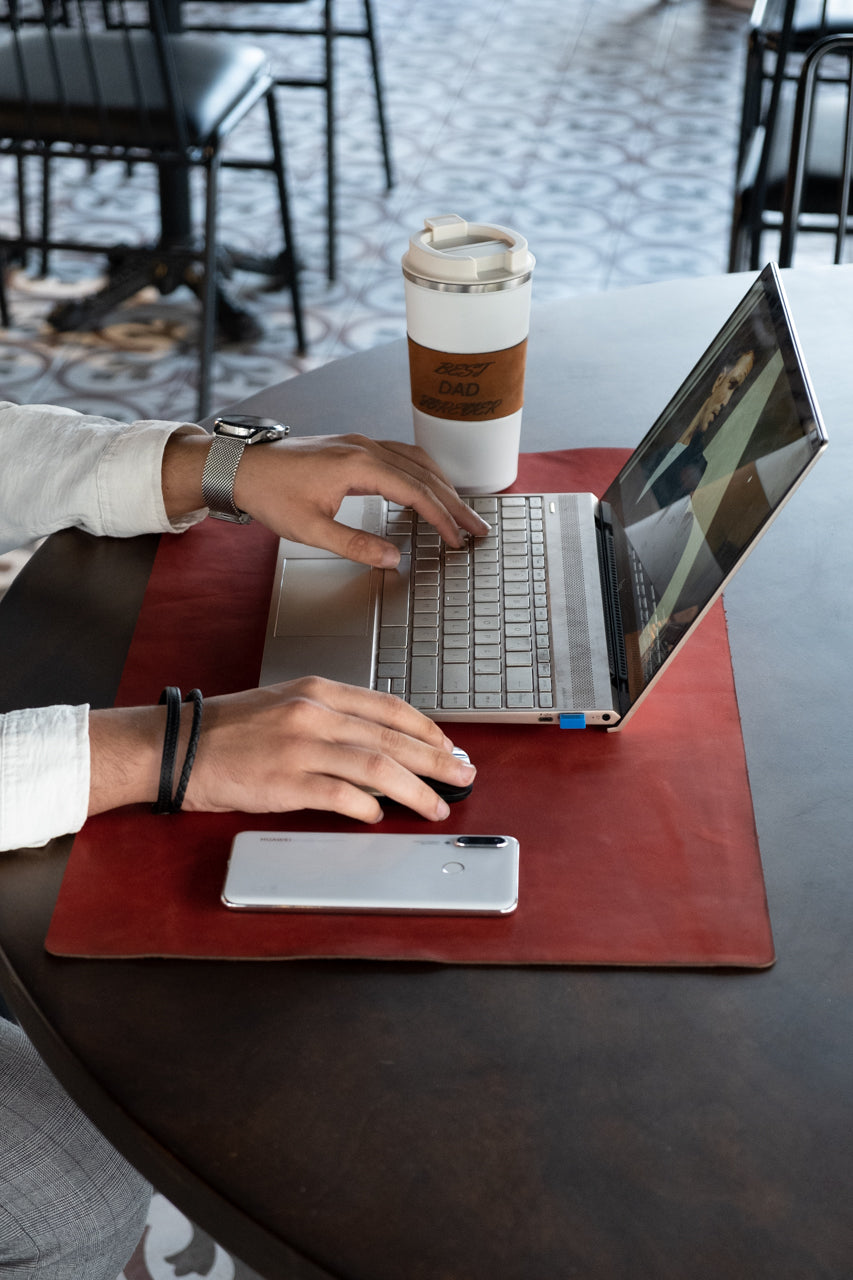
(399, 766)
(352, 544)
(412, 478)
(372, 705)
(337, 769)
(425, 472)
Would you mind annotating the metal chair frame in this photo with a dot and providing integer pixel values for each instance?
(801, 137)
(330, 32)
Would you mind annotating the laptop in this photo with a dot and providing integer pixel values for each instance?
(569, 611)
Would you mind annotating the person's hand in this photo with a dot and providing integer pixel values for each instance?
(296, 487)
(307, 744)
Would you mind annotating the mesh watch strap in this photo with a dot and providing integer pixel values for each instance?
(217, 480)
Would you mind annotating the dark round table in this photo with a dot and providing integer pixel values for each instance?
(415, 1122)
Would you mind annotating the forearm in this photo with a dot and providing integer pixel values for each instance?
(125, 752)
(66, 469)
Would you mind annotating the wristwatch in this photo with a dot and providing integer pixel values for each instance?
(231, 435)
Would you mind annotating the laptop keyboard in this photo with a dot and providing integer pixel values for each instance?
(468, 629)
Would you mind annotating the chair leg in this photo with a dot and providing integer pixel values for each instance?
(21, 166)
(5, 318)
(331, 153)
(45, 213)
(286, 222)
(379, 93)
(207, 293)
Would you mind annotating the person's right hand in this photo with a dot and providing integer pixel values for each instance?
(307, 744)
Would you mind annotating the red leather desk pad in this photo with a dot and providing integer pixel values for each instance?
(637, 848)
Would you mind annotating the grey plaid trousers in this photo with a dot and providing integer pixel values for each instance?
(71, 1208)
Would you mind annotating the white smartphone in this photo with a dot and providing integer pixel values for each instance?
(372, 871)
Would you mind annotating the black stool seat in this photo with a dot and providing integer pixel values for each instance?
(107, 85)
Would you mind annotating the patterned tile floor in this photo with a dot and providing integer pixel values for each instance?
(602, 129)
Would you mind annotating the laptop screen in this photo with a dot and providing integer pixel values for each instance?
(721, 459)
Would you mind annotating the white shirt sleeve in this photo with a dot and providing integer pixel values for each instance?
(62, 469)
(44, 774)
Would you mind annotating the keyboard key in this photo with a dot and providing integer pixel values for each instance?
(387, 654)
(519, 701)
(395, 594)
(519, 680)
(487, 684)
(487, 650)
(488, 701)
(455, 701)
(454, 678)
(424, 678)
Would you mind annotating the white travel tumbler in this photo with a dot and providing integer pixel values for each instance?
(467, 313)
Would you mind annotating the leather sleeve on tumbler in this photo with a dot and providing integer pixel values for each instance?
(467, 388)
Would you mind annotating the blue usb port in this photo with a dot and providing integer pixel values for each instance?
(572, 720)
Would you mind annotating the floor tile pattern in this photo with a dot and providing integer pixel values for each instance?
(604, 130)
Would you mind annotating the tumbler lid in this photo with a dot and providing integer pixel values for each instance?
(451, 251)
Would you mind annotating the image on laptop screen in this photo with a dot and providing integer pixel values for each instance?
(725, 453)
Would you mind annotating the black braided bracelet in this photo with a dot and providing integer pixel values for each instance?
(172, 698)
(194, 696)
(171, 695)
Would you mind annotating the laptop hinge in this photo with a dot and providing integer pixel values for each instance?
(612, 607)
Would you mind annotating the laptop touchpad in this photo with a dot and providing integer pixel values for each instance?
(324, 598)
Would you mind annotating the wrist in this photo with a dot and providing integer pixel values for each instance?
(125, 753)
(184, 457)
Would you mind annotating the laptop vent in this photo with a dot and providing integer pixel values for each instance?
(577, 618)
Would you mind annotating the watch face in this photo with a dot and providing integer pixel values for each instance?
(251, 430)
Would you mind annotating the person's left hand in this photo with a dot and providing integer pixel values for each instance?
(295, 487)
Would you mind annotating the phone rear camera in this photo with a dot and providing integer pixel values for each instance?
(480, 842)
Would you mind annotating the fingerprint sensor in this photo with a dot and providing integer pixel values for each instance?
(453, 868)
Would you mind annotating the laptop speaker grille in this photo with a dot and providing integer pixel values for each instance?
(577, 623)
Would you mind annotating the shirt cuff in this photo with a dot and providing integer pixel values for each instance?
(137, 451)
(44, 774)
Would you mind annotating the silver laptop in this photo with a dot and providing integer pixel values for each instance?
(570, 609)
